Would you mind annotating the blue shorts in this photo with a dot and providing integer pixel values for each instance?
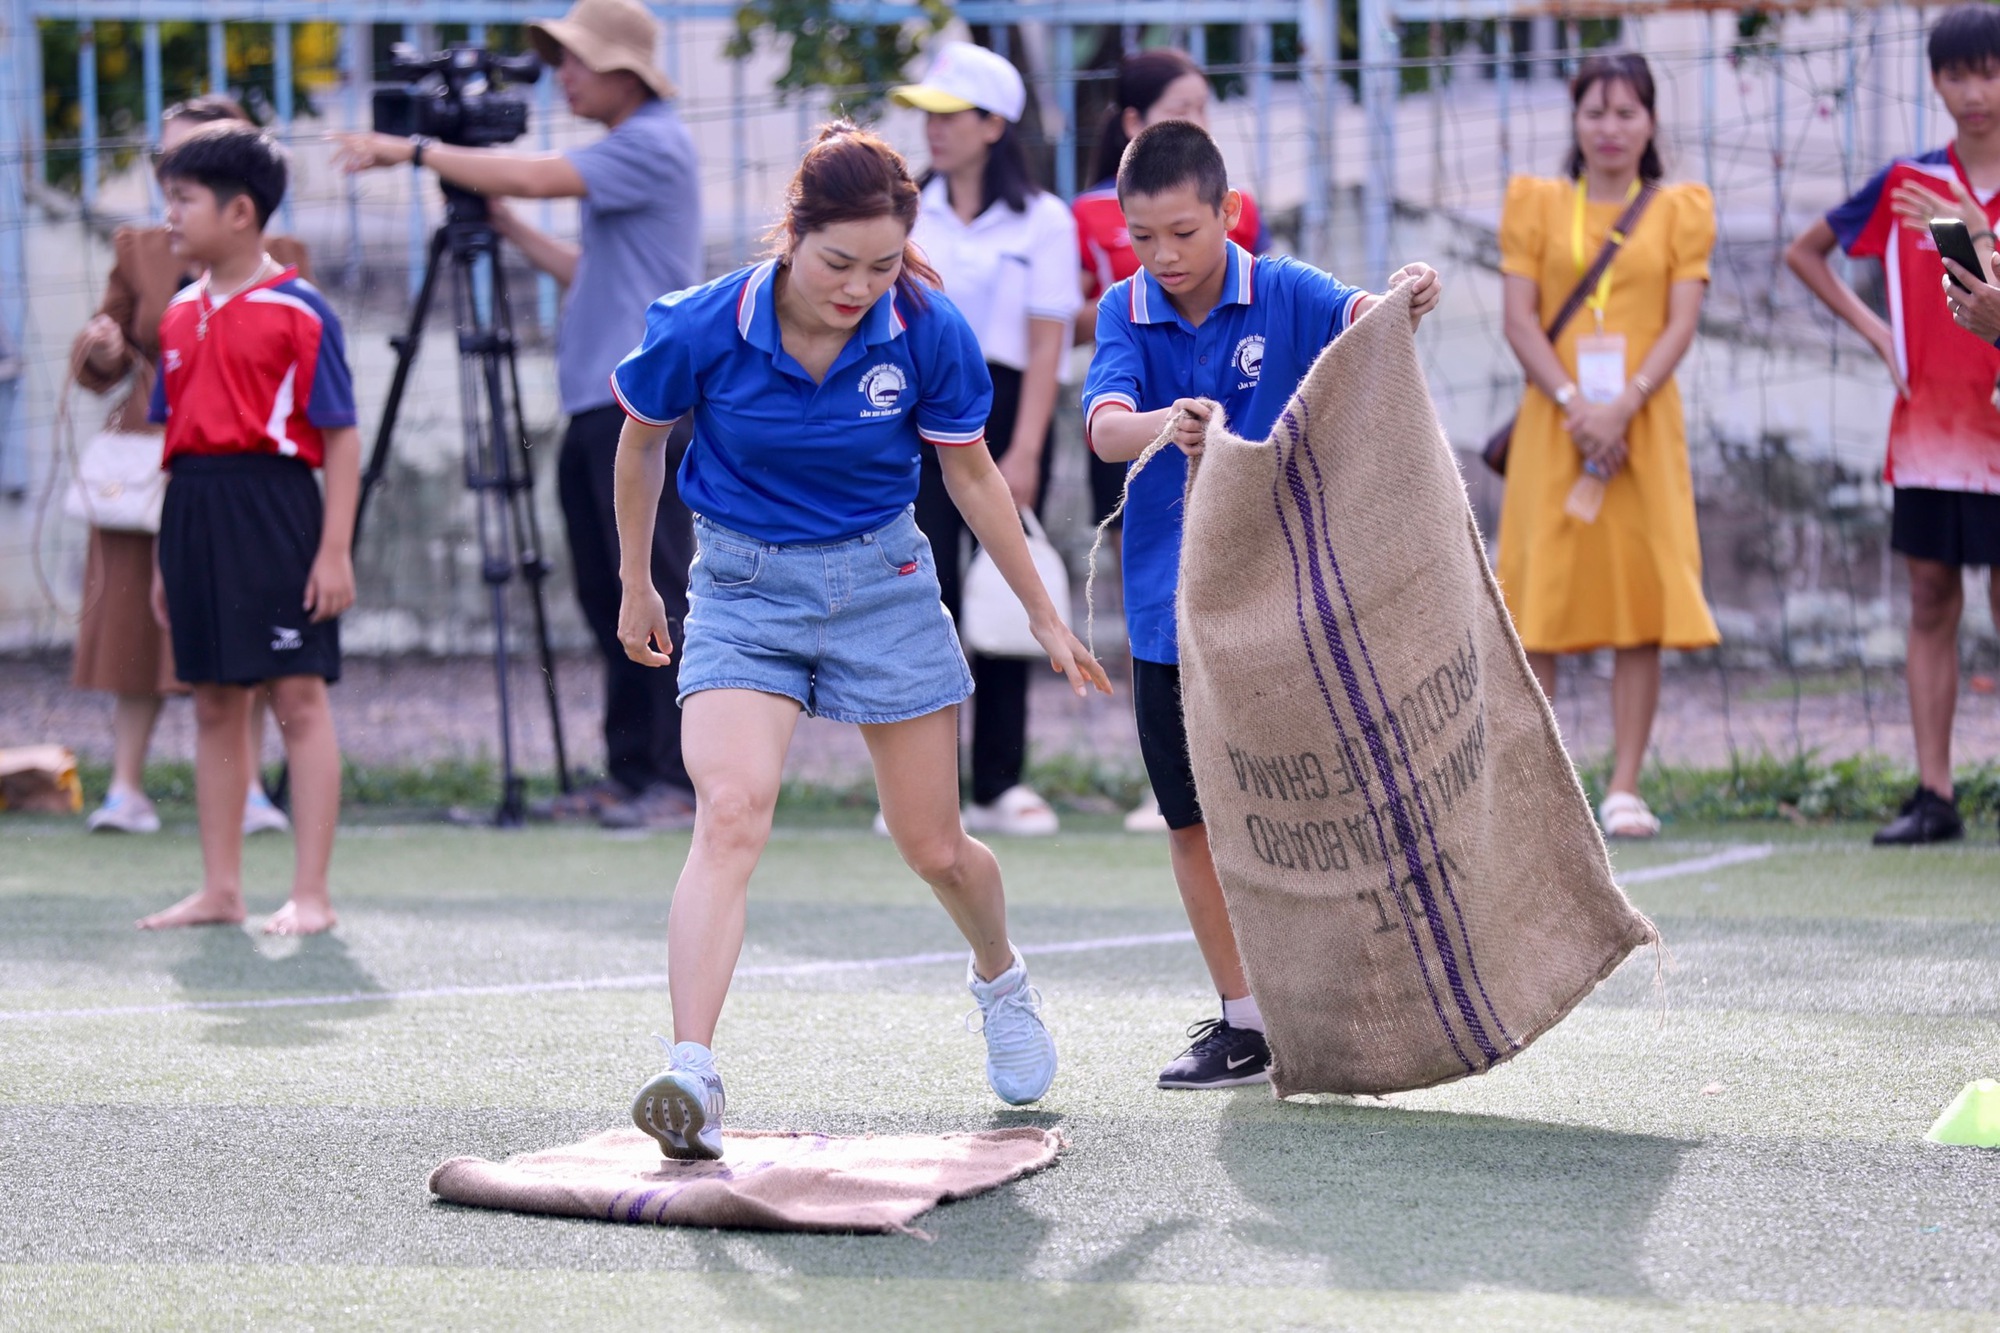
(854, 630)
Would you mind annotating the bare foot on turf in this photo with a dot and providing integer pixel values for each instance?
(197, 909)
(296, 918)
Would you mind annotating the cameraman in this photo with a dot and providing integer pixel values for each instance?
(640, 238)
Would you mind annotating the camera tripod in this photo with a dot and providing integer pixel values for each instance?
(499, 468)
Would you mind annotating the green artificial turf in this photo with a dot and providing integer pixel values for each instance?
(1736, 1141)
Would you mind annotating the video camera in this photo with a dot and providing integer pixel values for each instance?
(454, 96)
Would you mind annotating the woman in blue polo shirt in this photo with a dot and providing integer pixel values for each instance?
(815, 380)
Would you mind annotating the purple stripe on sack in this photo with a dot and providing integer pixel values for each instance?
(636, 1211)
(1340, 733)
(1409, 767)
(1385, 769)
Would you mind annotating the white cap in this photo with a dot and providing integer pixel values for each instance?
(964, 77)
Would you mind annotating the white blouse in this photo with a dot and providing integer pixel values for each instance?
(1003, 268)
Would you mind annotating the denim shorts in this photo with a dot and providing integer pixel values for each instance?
(854, 630)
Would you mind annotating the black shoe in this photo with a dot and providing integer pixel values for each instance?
(1925, 817)
(1221, 1057)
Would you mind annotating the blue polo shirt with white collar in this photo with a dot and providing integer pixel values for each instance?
(783, 459)
(1274, 318)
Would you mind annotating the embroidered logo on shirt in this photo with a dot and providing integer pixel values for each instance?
(286, 640)
(1249, 359)
(883, 387)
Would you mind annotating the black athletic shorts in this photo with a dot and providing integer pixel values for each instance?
(1156, 698)
(238, 536)
(1950, 527)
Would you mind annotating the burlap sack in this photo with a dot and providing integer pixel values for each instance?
(768, 1182)
(1417, 884)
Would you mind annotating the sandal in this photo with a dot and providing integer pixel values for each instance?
(1624, 815)
(1018, 811)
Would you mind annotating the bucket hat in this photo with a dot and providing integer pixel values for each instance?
(605, 35)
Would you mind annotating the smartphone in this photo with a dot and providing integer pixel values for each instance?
(1954, 241)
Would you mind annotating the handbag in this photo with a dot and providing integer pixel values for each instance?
(992, 621)
(118, 485)
(1494, 452)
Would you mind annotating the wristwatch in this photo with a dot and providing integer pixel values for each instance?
(418, 143)
(1566, 395)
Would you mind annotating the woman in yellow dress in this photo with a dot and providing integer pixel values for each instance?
(1602, 406)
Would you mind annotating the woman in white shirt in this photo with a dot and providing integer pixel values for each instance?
(1005, 249)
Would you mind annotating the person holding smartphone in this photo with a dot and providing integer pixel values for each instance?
(1944, 433)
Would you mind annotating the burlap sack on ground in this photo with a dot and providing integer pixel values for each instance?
(1416, 881)
(765, 1182)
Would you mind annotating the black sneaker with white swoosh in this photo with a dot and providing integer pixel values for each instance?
(1221, 1057)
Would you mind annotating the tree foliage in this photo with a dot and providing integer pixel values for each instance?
(831, 48)
(121, 86)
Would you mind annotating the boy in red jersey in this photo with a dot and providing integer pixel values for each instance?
(254, 393)
(1944, 436)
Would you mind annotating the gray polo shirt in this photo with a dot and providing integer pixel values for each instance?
(641, 239)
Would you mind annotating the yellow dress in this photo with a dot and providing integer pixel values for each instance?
(1633, 577)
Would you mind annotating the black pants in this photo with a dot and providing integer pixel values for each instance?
(1000, 684)
(642, 716)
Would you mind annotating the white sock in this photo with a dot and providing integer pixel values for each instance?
(1243, 1013)
(692, 1054)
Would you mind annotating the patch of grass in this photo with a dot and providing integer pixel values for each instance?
(1800, 788)
(401, 787)
(1810, 685)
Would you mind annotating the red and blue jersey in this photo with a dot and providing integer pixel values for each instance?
(264, 371)
(1946, 434)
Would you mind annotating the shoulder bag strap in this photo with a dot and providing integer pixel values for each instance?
(1620, 230)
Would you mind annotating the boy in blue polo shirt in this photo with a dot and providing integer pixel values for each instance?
(1201, 320)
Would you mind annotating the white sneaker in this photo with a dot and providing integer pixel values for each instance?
(260, 816)
(682, 1107)
(1146, 817)
(1018, 812)
(123, 812)
(1020, 1053)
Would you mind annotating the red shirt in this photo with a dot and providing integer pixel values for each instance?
(264, 372)
(1946, 435)
(1105, 247)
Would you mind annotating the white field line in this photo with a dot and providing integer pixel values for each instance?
(656, 981)
(1735, 856)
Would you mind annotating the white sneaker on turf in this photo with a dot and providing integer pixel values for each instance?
(1020, 1053)
(682, 1107)
(1018, 811)
(123, 812)
(1146, 817)
(260, 816)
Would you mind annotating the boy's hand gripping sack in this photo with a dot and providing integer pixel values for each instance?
(1417, 885)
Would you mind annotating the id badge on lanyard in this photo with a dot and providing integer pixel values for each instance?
(1600, 357)
(1600, 367)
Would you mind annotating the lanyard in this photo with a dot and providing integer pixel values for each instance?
(1602, 296)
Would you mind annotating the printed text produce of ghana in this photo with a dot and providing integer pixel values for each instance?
(1415, 879)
